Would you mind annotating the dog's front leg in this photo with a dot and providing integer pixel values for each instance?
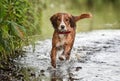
(53, 56)
(66, 53)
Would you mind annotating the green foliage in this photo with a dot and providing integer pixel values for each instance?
(12, 30)
(34, 15)
(19, 19)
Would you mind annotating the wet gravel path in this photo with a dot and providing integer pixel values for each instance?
(95, 57)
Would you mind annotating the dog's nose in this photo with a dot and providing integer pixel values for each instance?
(62, 26)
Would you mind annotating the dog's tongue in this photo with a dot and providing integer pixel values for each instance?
(66, 32)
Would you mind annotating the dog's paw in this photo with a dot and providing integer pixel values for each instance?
(62, 58)
(53, 64)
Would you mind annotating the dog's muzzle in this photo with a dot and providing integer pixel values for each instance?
(62, 28)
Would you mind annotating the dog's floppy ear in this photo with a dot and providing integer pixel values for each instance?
(72, 21)
(82, 16)
(53, 20)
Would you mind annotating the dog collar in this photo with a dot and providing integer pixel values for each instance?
(67, 32)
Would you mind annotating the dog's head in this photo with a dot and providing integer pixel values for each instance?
(63, 22)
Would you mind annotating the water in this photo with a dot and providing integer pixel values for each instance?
(93, 58)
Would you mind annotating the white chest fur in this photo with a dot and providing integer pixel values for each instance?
(60, 45)
(62, 40)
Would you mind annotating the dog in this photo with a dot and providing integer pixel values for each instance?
(64, 25)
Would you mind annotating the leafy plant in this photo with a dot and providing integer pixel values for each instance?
(19, 19)
(12, 30)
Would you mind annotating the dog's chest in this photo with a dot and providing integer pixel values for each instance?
(61, 42)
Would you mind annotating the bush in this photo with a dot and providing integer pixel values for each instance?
(17, 22)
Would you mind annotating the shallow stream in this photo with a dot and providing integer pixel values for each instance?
(95, 57)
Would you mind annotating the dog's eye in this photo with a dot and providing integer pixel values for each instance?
(67, 20)
(58, 19)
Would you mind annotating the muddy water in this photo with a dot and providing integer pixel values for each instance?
(95, 57)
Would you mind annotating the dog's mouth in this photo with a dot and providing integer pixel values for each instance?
(63, 32)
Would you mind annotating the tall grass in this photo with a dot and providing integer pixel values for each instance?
(19, 19)
(12, 30)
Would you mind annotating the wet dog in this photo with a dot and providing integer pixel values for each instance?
(64, 25)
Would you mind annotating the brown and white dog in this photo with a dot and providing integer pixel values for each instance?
(64, 34)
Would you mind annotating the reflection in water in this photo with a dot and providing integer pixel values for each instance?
(56, 76)
(64, 72)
